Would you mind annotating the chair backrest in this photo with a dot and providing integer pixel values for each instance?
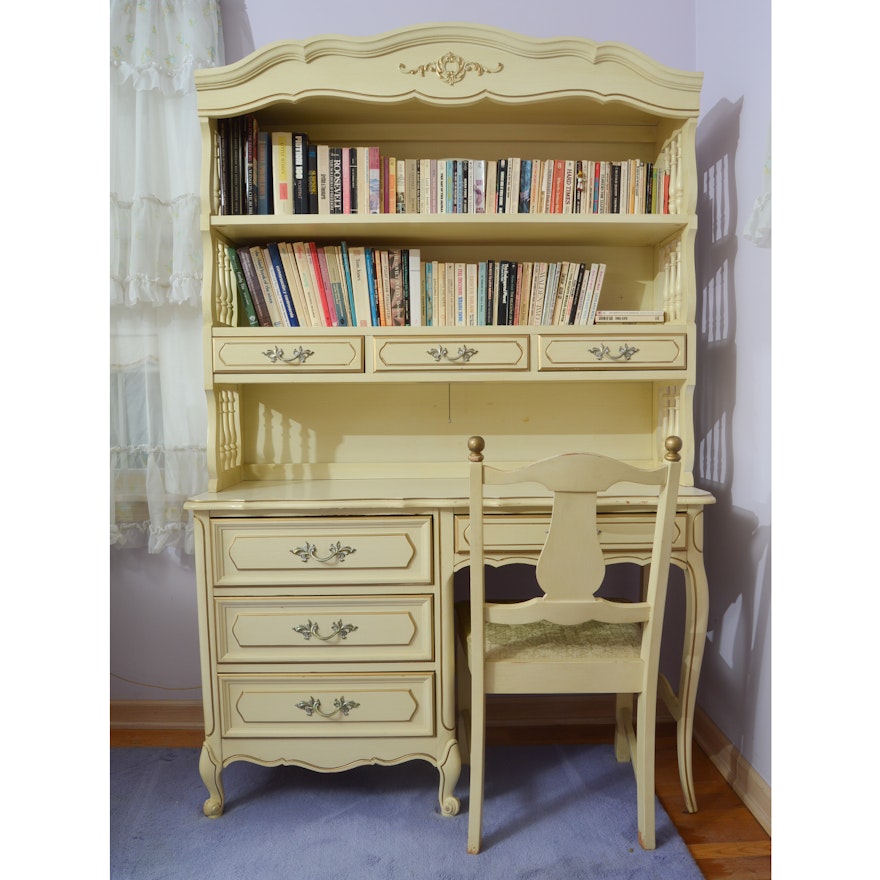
(571, 566)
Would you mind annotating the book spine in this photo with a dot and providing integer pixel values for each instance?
(369, 256)
(335, 183)
(300, 173)
(328, 294)
(282, 172)
(265, 282)
(312, 177)
(245, 300)
(594, 306)
(374, 160)
(253, 283)
(264, 173)
(416, 304)
(282, 285)
(349, 287)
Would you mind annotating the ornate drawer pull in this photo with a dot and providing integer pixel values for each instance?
(311, 706)
(441, 353)
(337, 552)
(300, 355)
(311, 629)
(625, 352)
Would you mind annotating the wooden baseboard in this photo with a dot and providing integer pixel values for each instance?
(752, 790)
(562, 713)
(156, 715)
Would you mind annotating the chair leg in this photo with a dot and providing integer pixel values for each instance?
(478, 757)
(463, 698)
(623, 712)
(644, 761)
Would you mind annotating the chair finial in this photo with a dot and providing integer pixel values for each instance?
(673, 447)
(476, 445)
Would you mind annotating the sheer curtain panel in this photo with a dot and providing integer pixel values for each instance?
(158, 421)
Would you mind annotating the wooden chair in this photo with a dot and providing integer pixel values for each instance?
(569, 640)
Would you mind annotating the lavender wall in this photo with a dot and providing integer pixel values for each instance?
(730, 43)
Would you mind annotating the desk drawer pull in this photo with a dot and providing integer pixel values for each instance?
(337, 552)
(300, 355)
(625, 352)
(441, 353)
(313, 706)
(338, 629)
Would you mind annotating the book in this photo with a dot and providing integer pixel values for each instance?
(383, 287)
(491, 180)
(594, 304)
(370, 257)
(303, 309)
(300, 173)
(347, 183)
(282, 172)
(316, 304)
(253, 283)
(345, 264)
(323, 178)
(312, 178)
(501, 187)
(396, 303)
(282, 288)
(363, 314)
(525, 187)
(266, 286)
(335, 182)
(374, 164)
(330, 259)
(265, 200)
(637, 316)
(416, 288)
(247, 315)
(323, 285)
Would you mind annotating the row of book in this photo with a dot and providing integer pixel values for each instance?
(304, 284)
(279, 172)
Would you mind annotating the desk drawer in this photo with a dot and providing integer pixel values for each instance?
(322, 550)
(322, 630)
(363, 705)
(632, 352)
(443, 353)
(289, 354)
(526, 534)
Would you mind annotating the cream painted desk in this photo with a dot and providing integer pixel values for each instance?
(325, 608)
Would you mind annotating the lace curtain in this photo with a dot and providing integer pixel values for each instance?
(158, 420)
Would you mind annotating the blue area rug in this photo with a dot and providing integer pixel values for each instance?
(551, 812)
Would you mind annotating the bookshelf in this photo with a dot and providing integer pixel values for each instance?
(326, 438)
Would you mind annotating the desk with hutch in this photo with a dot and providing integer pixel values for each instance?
(336, 514)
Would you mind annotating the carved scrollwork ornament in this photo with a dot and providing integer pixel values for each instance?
(451, 68)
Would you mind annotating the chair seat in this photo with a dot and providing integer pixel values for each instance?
(551, 641)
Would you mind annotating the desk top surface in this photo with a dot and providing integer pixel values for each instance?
(407, 494)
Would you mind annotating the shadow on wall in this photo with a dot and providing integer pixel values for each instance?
(737, 550)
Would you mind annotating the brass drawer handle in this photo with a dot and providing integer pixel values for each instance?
(300, 355)
(625, 352)
(441, 353)
(313, 706)
(307, 631)
(337, 552)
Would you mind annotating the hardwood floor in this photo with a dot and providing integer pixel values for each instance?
(724, 838)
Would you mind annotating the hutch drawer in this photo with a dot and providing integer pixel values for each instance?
(356, 705)
(631, 352)
(445, 351)
(289, 354)
(527, 533)
(323, 550)
(320, 630)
